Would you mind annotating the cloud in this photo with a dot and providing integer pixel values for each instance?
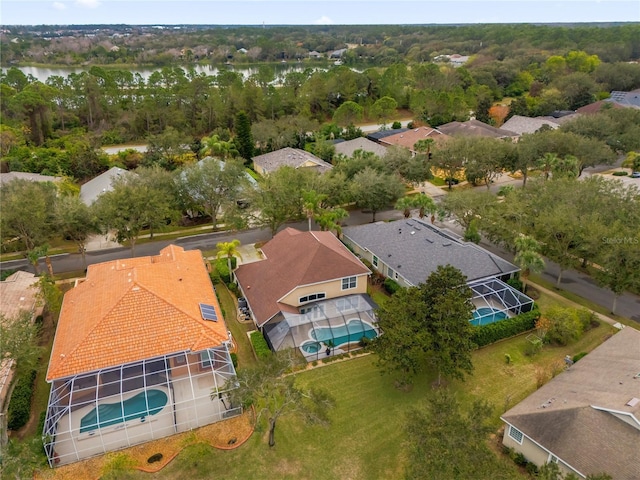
(59, 6)
(323, 20)
(88, 3)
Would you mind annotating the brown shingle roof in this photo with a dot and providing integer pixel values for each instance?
(409, 138)
(293, 259)
(128, 310)
(571, 416)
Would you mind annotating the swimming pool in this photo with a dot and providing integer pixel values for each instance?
(487, 315)
(353, 331)
(113, 413)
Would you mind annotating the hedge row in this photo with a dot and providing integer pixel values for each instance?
(260, 345)
(487, 334)
(20, 403)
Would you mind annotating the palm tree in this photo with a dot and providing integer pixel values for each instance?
(218, 148)
(311, 201)
(329, 219)
(528, 258)
(229, 250)
(405, 204)
(546, 163)
(426, 205)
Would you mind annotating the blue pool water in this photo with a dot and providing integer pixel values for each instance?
(119, 412)
(353, 331)
(487, 315)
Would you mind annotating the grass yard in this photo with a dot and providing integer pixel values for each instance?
(238, 330)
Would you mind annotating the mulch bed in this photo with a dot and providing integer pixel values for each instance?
(225, 435)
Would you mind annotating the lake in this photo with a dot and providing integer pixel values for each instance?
(43, 73)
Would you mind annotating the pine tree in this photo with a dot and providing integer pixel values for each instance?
(244, 139)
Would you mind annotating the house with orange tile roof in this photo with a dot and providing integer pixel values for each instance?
(409, 138)
(309, 292)
(141, 352)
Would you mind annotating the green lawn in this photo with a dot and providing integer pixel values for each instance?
(238, 330)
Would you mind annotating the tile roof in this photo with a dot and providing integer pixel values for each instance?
(91, 190)
(293, 157)
(137, 308)
(595, 107)
(571, 416)
(474, 128)
(415, 249)
(349, 147)
(409, 138)
(293, 259)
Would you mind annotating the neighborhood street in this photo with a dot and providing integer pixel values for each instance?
(572, 281)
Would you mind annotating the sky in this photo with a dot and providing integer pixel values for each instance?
(312, 12)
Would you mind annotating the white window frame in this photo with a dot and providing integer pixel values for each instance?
(518, 436)
(375, 261)
(351, 282)
(390, 272)
(316, 296)
(552, 458)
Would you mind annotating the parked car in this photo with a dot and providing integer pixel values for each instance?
(635, 175)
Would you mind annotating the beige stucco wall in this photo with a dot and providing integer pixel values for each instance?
(332, 289)
(258, 169)
(532, 452)
(382, 267)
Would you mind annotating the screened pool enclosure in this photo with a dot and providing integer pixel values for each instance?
(113, 408)
(324, 328)
(495, 300)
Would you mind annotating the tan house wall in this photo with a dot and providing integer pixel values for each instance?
(382, 267)
(258, 169)
(332, 289)
(533, 452)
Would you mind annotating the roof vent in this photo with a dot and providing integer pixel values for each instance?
(633, 402)
(429, 240)
(446, 244)
(413, 232)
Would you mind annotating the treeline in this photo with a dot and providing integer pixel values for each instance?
(376, 45)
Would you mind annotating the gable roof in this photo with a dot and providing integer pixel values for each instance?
(475, 128)
(415, 249)
(350, 146)
(409, 138)
(520, 124)
(626, 99)
(293, 157)
(33, 177)
(133, 309)
(293, 259)
(90, 191)
(571, 416)
(380, 134)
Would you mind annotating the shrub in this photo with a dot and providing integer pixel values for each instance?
(520, 459)
(578, 356)
(364, 342)
(411, 125)
(620, 174)
(487, 334)
(222, 269)
(507, 358)
(396, 125)
(531, 468)
(391, 286)
(533, 347)
(515, 283)
(20, 403)
(566, 324)
(234, 289)
(260, 345)
(234, 359)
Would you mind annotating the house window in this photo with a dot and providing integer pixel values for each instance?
(553, 458)
(516, 434)
(349, 282)
(390, 273)
(205, 359)
(375, 261)
(311, 297)
(180, 360)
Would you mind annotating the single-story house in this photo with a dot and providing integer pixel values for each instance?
(381, 134)
(409, 250)
(617, 99)
(140, 348)
(90, 191)
(348, 148)
(337, 53)
(587, 419)
(409, 138)
(521, 125)
(18, 292)
(475, 128)
(32, 177)
(292, 157)
(308, 290)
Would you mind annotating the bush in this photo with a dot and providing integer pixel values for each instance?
(260, 345)
(234, 359)
(619, 174)
(566, 324)
(364, 342)
(533, 347)
(520, 459)
(507, 358)
(515, 283)
(578, 356)
(396, 125)
(391, 286)
(20, 403)
(411, 125)
(532, 469)
(487, 334)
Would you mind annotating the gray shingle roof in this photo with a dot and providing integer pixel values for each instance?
(520, 124)
(474, 128)
(91, 190)
(34, 177)
(571, 415)
(293, 157)
(415, 249)
(347, 148)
